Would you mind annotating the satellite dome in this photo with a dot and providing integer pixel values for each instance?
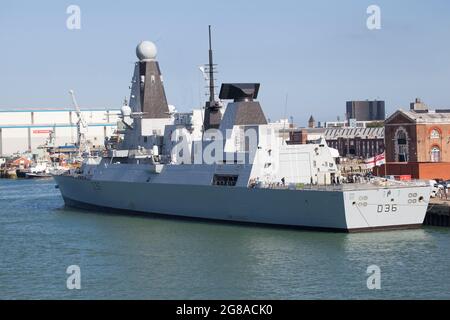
(146, 50)
(125, 110)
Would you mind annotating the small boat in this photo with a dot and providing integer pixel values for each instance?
(45, 169)
(39, 171)
(22, 173)
(38, 175)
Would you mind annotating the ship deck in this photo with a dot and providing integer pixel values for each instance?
(350, 186)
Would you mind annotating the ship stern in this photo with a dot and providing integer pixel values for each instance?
(386, 208)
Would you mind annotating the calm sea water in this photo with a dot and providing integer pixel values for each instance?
(152, 258)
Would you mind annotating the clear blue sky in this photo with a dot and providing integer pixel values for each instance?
(319, 52)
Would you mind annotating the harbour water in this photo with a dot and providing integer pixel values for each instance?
(125, 257)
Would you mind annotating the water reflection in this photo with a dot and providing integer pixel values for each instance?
(146, 257)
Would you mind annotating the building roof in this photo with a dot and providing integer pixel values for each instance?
(307, 130)
(83, 109)
(438, 116)
(351, 133)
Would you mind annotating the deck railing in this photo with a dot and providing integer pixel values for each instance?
(368, 185)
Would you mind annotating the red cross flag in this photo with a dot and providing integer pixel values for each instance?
(375, 161)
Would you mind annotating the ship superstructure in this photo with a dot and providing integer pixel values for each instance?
(229, 165)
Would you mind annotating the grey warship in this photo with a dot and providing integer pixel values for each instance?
(159, 167)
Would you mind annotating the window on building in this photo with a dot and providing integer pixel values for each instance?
(435, 134)
(352, 151)
(435, 154)
(401, 140)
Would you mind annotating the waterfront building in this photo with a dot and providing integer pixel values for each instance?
(350, 142)
(356, 142)
(418, 142)
(24, 130)
(366, 110)
(352, 123)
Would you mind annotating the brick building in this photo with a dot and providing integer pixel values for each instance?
(418, 142)
(356, 142)
(350, 142)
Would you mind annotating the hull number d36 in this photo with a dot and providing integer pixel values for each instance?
(387, 208)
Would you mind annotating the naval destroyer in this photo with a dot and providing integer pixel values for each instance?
(227, 163)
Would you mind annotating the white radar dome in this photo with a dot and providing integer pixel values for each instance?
(126, 111)
(146, 50)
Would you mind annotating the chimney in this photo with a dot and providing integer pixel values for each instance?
(418, 105)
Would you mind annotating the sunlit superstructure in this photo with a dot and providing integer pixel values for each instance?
(241, 170)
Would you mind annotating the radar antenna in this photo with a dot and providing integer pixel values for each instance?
(211, 69)
(213, 115)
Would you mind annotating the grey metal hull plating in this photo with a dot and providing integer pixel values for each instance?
(336, 210)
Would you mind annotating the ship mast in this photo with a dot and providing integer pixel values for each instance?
(211, 70)
(213, 115)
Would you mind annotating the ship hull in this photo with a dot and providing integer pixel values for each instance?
(308, 209)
